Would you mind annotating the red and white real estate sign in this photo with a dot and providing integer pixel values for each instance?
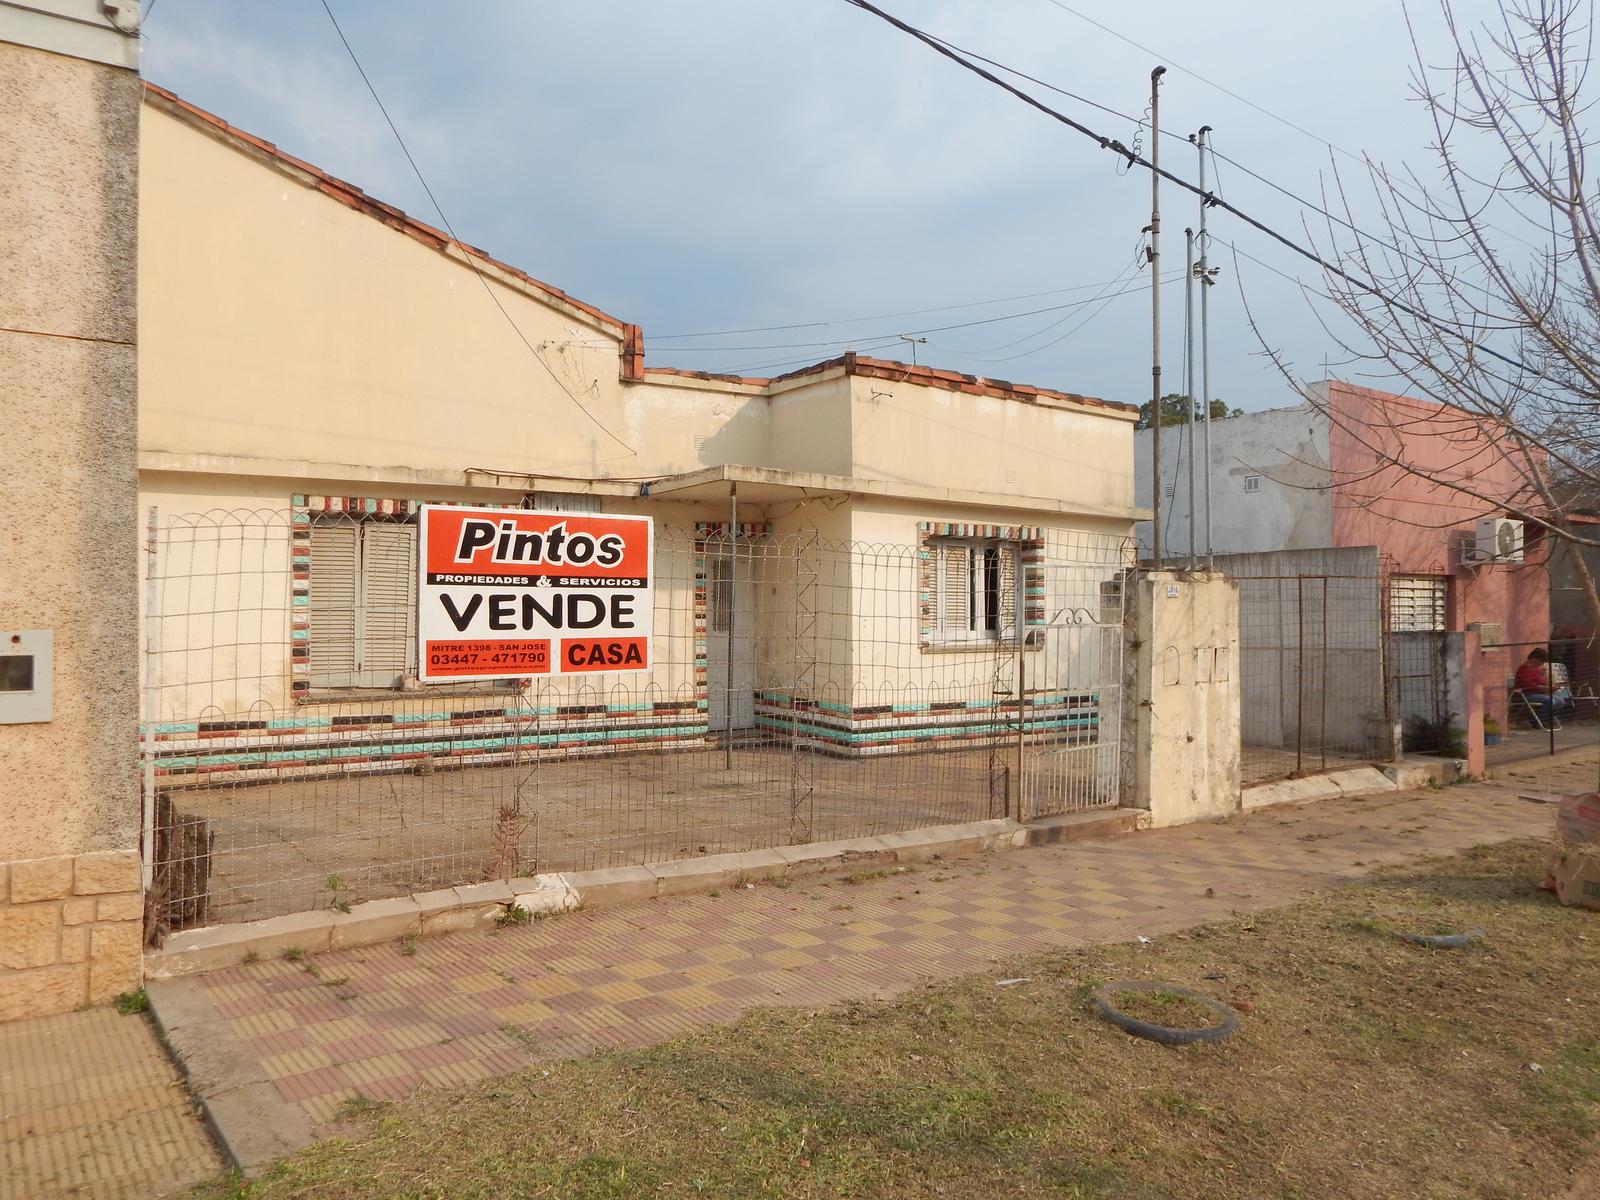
(504, 593)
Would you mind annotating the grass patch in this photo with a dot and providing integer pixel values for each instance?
(1364, 1070)
(136, 1001)
(359, 1107)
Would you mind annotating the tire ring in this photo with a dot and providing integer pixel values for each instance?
(1168, 1035)
(1442, 941)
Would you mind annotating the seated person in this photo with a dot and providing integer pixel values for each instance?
(1544, 684)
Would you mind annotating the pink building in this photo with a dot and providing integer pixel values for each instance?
(1358, 467)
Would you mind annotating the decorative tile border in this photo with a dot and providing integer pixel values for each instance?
(208, 752)
(864, 730)
(1030, 547)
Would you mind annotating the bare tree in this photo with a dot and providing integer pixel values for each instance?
(1479, 287)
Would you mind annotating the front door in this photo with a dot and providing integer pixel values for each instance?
(730, 642)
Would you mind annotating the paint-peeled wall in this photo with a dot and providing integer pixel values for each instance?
(1268, 473)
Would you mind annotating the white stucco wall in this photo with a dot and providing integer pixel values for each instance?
(1046, 448)
(1286, 448)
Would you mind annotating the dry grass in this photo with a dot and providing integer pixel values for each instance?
(1365, 1068)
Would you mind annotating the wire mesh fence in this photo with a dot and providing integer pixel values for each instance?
(1551, 694)
(1311, 666)
(801, 690)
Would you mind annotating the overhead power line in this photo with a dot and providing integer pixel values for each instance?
(1178, 137)
(1398, 185)
(1069, 306)
(1226, 91)
(912, 312)
(445, 221)
(1209, 198)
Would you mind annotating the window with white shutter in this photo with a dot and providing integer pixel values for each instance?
(362, 599)
(388, 603)
(334, 602)
(1417, 603)
(976, 587)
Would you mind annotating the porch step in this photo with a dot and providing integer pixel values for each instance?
(1081, 826)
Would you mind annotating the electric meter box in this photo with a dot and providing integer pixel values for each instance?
(27, 672)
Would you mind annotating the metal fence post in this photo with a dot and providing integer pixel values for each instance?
(1299, 674)
(1022, 720)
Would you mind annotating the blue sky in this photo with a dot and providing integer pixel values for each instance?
(708, 165)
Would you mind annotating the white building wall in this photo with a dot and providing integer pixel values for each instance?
(1285, 450)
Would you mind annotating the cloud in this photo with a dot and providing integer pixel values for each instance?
(713, 163)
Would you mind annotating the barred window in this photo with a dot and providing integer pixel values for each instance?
(976, 590)
(1417, 603)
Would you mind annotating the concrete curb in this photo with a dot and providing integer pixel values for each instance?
(1405, 775)
(481, 905)
(251, 1123)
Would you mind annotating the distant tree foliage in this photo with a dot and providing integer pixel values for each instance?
(1175, 411)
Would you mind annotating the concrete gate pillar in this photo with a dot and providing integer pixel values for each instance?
(1180, 718)
(71, 903)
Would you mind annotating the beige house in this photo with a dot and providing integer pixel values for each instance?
(848, 548)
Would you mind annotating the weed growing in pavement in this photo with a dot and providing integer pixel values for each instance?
(515, 915)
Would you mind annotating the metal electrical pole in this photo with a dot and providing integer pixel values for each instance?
(1188, 380)
(1155, 310)
(1205, 340)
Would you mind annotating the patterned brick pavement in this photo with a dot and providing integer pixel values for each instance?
(91, 1106)
(380, 1022)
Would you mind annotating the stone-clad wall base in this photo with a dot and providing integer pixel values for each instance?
(71, 932)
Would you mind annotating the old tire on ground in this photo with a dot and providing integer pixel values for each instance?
(1442, 941)
(1168, 1035)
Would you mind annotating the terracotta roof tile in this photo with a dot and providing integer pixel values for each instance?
(899, 372)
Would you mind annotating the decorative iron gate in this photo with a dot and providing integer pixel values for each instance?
(1063, 745)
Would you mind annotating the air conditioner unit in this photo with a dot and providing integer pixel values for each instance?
(1499, 540)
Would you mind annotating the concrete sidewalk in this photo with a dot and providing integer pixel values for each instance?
(90, 1106)
(383, 1021)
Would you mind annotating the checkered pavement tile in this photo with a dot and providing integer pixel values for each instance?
(380, 1024)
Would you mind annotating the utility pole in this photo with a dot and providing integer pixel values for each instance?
(1205, 340)
(1155, 310)
(1188, 380)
